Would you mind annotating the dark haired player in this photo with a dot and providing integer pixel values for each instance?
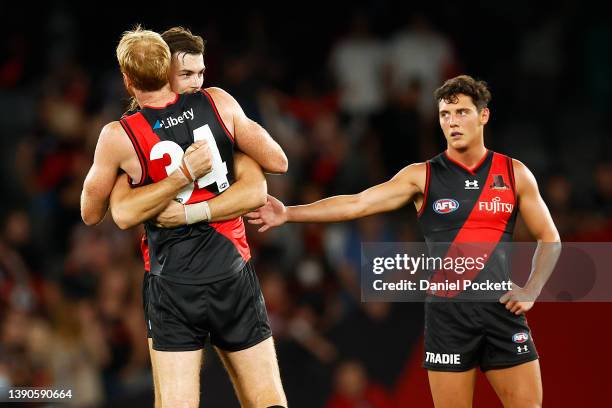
(202, 284)
(467, 194)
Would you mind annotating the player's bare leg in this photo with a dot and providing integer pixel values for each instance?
(518, 386)
(256, 376)
(452, 390)
(154, 372)
(179, 377)
(233, 376)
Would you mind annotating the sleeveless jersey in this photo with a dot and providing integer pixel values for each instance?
(469, 213)
(202, 252)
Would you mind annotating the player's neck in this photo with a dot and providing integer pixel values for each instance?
(468, 157)
(155, 99)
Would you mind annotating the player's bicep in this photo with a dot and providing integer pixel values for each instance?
(96, 191)
(120, 191)
(532, 207)
(245, 166)
(392, 194)
(250, 137)
(100, 179)
(256, 142)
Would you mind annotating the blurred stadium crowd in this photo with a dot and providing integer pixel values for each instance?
(350, 108)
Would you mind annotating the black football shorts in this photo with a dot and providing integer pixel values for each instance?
(463, 335)
(232, 312)
(145, 300)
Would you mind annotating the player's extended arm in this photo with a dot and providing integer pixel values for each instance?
(101, 176)
(538, 220)
(251, 138)
(246, 194)
(388, 196)
(132, 206)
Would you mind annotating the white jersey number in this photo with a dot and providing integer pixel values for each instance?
(218, 173)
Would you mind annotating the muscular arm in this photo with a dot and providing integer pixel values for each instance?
(250, 137)
(539, 222)
(246, 194)
(132, 206)
(101, 176)
(388, 196)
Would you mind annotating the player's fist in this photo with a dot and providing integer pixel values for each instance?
(198, 159)
(518, 300)
(272, 214)
(172, 216)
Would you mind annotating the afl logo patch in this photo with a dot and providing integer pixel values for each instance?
(445, 205)
(520, 337)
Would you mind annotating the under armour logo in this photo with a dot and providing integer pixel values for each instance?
(522, 349)
(471, 185)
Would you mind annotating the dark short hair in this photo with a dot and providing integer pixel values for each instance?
(466, 85)
(181, 40)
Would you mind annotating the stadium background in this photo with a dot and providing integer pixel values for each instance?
(347, 93)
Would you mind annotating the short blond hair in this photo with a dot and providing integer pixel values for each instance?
(144, 57)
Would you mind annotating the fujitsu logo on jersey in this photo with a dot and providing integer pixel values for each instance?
(173, 121)
(495, 206)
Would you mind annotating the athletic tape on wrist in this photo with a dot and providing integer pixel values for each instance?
(197, 212)
(185, 173)
(189, 169)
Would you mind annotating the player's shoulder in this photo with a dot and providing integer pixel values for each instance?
(216, 91)
(112, 128)
(220, 96)
(413, 175)
(524, 178)
(413, 172)
(111, 133)
(416, 167)
(519, 168)
(226, 105)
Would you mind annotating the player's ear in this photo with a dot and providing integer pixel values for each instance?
(484, 116)
(127, 83)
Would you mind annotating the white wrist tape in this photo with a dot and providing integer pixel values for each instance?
(197, 212)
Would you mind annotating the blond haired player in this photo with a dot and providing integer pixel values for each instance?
(203, 261)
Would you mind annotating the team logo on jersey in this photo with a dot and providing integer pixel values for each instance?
(445, 205)
(471, 185)
(171, 121)
(495, 206)
(520, 337)
(499, 183)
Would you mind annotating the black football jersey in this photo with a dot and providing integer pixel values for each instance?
(470, 213)
(202, 252)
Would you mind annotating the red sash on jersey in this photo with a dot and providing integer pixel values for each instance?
(484, 227)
